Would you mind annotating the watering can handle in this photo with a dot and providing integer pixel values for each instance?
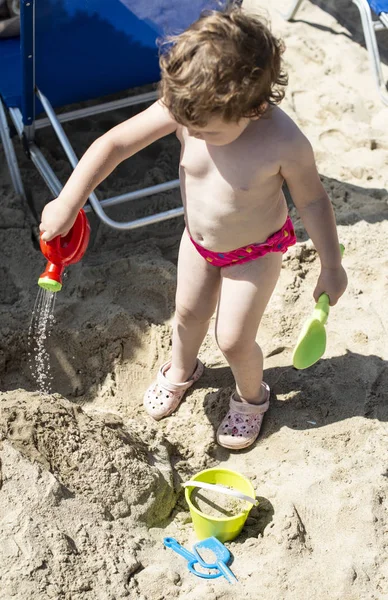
(222, 489)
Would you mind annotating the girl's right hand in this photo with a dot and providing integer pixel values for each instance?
(57, 219)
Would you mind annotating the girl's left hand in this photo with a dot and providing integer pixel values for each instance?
(332, 282)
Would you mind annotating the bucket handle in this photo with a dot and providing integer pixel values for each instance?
(222, 489)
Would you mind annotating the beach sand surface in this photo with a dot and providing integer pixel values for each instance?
(90, 486)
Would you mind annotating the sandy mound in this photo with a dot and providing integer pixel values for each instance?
(67, 480)
(90, 486)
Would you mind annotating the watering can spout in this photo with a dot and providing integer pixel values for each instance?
(51, 278)
(63, 251)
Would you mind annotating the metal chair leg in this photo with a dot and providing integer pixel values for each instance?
(10, 155)
(369, 27)
(292, 11)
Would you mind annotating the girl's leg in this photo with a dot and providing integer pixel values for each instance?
(245, 292)
(196, 299)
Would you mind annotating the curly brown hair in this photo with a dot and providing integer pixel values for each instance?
(226, 64)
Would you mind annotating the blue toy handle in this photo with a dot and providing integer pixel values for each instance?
(192, 569)
(170, 542)
(227, 573)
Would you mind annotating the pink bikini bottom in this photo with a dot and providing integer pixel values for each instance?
(277, 242)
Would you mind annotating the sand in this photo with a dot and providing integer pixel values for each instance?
(90, 485)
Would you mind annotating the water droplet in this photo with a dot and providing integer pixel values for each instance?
(40, 329)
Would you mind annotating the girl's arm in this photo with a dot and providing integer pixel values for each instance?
(310, 198)
(99, 161)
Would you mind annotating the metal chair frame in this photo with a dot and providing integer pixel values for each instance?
(25, 124)
(369, 27)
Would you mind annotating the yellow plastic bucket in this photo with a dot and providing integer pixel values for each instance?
(223, 528)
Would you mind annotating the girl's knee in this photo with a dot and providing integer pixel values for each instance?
(188, 316)
(234, 346)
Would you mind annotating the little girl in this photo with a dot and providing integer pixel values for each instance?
(221, 82)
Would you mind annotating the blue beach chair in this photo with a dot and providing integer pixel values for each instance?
(370, 26)
(75, 50)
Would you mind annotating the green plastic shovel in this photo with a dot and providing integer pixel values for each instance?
(311, 343)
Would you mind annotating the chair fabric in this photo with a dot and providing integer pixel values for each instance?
(10, 72)
(85, 50)
(379, 6)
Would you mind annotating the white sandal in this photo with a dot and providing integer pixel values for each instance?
(241, 425)
(163, 396)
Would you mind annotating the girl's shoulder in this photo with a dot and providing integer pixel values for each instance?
(286, 131)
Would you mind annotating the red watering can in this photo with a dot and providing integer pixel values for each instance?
(63, 251)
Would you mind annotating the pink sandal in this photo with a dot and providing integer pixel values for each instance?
(241, 425)
(163, 396)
